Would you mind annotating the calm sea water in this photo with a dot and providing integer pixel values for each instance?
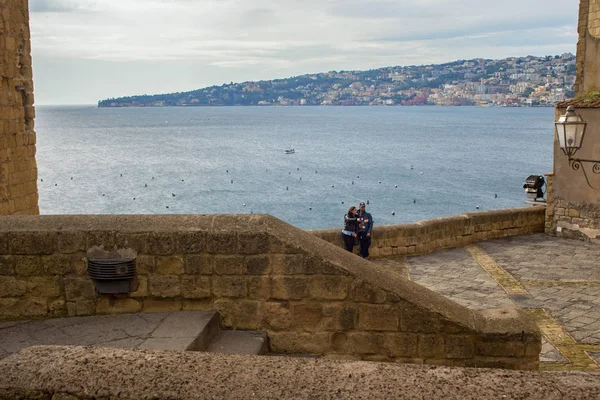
(418, 162)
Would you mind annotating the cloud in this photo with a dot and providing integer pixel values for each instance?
(57, 6)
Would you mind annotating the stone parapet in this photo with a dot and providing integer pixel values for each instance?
(259, 274)
(446, 232)
(85, 373)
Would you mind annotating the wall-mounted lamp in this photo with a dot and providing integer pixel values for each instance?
(570, 129)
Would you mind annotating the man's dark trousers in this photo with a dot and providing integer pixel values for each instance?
(365, 243)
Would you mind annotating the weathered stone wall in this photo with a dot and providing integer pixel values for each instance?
(260, 274)
(575, 208)
(438, 233)
(588, 47)
(594, 18)
(18, 170)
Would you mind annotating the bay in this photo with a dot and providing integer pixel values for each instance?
(414, 162)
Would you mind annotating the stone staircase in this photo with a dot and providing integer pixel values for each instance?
(178, 330)
(199, 331)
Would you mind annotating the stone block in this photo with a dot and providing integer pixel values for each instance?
(140, 287)
(377, 318)
(573, 213)
(10, 286)
(400, 344)
(81, 307)
(161, 305)
(413, 319)
(327, 287)
(57, 264)
(290, 288)
(159, 243)
(229, 265)
(197, 305)
(133, 241)
(7, 266)
(459, 346)
(258, 265)
(249, 315)
(288, 264)
(222, 243)
(8, 309)
(28, 265)
(305, 343)
(498, 348)
(43, 286)
(202, 264)
(253, 243)
(171, 265)
(145, 264)
(101, 239)
(339, 317)
(164, 285)
(32, 307)
(32, 243)
(259, 287)
(57, 308)
(195, 287)
(190, 242)
(229, 286)
(364, 292)
(71, 242)
(111, 305)
(227, 311)
(316, 266)
(364, 343)
(79, 265)
(3, 236)
(79, 288)
(277, 315)
(431, 346)
(307, 317)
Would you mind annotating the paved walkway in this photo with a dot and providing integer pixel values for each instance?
(556, 280)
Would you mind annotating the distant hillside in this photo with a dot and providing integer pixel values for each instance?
(515, 81)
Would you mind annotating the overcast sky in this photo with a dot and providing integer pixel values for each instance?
(88, 50)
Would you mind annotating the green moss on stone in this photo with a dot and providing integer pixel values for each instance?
(588, 97)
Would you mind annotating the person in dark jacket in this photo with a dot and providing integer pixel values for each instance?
(350, 227)
(365, 228)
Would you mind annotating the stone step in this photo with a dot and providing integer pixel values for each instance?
(239, 342)
(184, 330)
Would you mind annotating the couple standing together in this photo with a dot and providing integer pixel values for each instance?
(358, 225)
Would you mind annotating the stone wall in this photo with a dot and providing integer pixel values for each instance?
(18, 170)
(588, 47)
(260, 274)
(438, 233)
(575, 208)
(594, 18)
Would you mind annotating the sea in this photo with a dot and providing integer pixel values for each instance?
(407, 163)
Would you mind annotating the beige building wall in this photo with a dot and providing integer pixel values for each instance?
(18, 169)
(588, 47)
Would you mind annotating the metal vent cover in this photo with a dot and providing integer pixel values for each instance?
(112, 275)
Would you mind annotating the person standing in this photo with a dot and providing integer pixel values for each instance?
(350, 227)
(365, 228)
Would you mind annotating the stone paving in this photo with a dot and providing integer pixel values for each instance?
(556, 280)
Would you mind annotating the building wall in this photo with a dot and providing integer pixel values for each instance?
(588, 47)
(575, 206)
(18, 169)
(259, 273)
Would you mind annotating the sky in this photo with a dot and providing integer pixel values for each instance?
(89, 50)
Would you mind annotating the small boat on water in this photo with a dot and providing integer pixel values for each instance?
(290, 151)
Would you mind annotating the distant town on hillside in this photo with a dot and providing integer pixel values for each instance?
(514, 81)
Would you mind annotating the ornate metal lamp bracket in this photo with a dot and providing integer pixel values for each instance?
(578, 164)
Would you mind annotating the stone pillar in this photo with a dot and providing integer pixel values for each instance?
(18, 168)
(588, 47)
